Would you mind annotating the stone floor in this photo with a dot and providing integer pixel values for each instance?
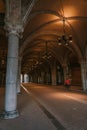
(31, 115)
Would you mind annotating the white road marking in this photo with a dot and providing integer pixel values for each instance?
(25, 89)
(76, 99)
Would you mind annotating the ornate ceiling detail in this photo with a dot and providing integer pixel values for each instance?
(40, 23)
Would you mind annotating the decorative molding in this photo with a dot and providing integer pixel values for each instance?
(16, 29)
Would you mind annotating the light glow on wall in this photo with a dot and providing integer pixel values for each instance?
(2, 6)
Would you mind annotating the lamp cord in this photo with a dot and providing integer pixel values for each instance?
(64, 26)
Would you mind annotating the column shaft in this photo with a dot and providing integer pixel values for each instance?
(54, 75)
(83, 73)
(19, 76)
(11, 77)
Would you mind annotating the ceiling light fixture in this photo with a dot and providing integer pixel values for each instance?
(64, 39)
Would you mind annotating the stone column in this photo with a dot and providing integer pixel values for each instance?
(11, 76)
(36, 77)
(54, 75)
(19, 76)
(86, 74)
(65, 71)
(14, 26)
(86, 65)
(42, 77)
(83, 73)
(26, 78)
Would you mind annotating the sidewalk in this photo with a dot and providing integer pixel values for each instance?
(31, 116)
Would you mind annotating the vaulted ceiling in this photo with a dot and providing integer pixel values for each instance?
(44, 21)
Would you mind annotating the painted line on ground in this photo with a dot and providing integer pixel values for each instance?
(51, 117)
(76, 99)
(25, 89)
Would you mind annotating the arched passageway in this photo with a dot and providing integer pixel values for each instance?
(47, 43)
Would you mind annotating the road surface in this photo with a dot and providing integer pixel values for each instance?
(65, 108)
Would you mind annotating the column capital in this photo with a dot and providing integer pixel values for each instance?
(16, 29)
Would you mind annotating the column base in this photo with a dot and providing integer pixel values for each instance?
(9, 114)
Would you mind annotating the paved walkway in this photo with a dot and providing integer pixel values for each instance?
(32, 117)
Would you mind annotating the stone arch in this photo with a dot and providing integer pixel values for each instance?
(73, 45)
